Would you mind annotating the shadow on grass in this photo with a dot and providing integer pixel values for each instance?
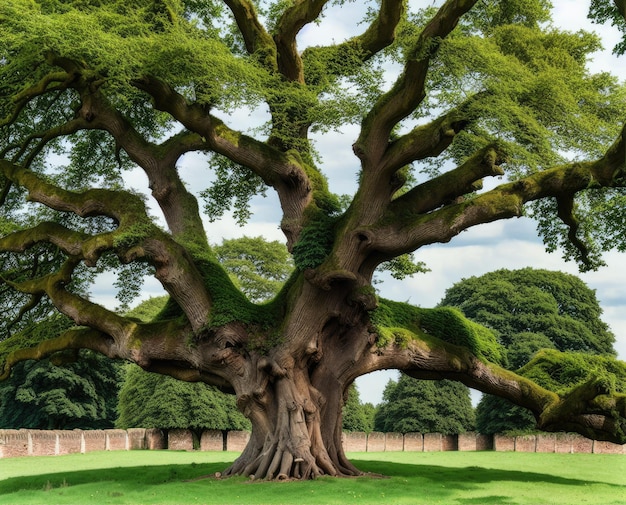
(470, 475)
(128, 476)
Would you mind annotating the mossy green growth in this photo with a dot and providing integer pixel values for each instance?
(317, 238)
(447, 324)
(561, 371)
(230, 304)
(134, 234)
(451, 325)
(315, 243)
(396, 335)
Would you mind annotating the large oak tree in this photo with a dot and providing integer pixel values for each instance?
(444, 96)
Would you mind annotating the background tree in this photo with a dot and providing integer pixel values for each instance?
(74, 389)
(357, 416)
(479, 90)
(418, 406)
(257, 266)
(529, 310)
(532, 309)
(149, 400)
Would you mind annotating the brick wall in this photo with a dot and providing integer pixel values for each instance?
(16, 443)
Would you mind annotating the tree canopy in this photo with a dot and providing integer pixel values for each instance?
(444, 96)
(532, 309)
(414, 406)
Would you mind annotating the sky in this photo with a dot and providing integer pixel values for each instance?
(510, 244)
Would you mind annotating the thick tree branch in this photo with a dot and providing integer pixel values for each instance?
(258, 42)
(301, 13)
(77, 338)
(428, 140)
(160, 347)
(136, 237)
(410, 229)
(590, 409)
(447, 187)
(282, 171)
(71, 242)
(408, 91)
(158, 161)
(121, 206)
(82, 311)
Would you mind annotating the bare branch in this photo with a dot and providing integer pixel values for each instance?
(428, 140)
(565, 205)
(80, 310)
(69, 241)
(44, 138)
(121, 206)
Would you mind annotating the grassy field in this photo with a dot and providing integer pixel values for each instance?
(450, 478)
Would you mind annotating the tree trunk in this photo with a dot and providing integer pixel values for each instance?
(296, 398)
(296, 431)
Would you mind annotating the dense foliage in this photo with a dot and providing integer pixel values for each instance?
(148, 400)
(417, 406)
(257, 266)
(532, 309)
(65, 393)
(356, 415)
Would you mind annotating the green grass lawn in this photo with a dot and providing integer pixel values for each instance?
(167, 477)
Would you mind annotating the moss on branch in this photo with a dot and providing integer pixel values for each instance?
(399, 323)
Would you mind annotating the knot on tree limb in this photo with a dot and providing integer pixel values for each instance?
(493, 158)
(271, 368)
(364, 297)
(327, 279)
